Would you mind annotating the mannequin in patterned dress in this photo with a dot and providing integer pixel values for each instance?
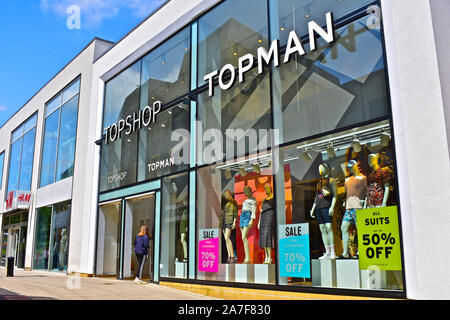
(377, 184)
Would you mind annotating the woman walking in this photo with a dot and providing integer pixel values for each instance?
(141, 245)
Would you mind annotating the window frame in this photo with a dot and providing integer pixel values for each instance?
(59, 109)
(22, 126)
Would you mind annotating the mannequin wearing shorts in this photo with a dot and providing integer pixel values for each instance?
(356, 193)
(324, 207)
(248, 214)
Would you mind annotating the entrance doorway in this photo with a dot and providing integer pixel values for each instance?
(14, 238)
(139, 211)
(13, 244)
(118, 225)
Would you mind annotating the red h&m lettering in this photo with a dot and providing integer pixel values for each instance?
(9, 200)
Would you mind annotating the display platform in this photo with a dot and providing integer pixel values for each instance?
(348, 274)
(227, 272)
(245, 272)
(180, 269)
(265, 273)
(315, 272)
(328, 276)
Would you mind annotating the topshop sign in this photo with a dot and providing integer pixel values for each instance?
(132, 123)
(227, 75)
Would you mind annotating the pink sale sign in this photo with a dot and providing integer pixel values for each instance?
(208, 250)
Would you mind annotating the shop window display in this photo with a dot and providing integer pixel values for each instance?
(237, 209)
(338, 183)
(51, 248)
(42, 238)
(108, 244)
(60, 237)
(174, 227)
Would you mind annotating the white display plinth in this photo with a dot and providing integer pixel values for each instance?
(245, 273)
(180, 269)
(328, 273)
(347, 273)
(227, 272)
(373, 279)
(265, 273)
(315, 272)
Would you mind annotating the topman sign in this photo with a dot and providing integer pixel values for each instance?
(294, 45)
(147, 116)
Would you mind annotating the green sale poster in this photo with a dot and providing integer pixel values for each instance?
(379, 239)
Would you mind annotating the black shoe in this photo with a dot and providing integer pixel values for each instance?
(342, 257)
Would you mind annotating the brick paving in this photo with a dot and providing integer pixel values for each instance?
(38, 285)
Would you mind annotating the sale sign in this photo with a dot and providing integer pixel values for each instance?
(379, 239)
(208, 250)
(294, 250)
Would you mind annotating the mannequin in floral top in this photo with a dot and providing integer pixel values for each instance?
(377, 184)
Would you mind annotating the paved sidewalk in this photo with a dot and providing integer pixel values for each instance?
(37, 285)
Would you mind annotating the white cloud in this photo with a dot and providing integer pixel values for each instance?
(93, 12)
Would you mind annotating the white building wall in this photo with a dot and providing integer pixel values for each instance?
(421, 146)
(66, 189)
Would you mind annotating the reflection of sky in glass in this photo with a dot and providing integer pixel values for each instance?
(26, 165)
(295, 14)
(164, 63)
(49, 150)
(13, 176)
(245, 12)
(357, 54)
(22, 151)
(117, 90)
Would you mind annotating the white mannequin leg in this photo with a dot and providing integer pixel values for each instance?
(324, 232)
(244, 232)
(330, 237)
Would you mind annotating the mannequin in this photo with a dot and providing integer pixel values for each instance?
(324, 206)
(184, 229)
(228, 223)
(248, 214)
(63, 244)
(376, 181)
(265, 224)
(356, 192)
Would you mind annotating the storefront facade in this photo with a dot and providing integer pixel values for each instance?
(258, 150)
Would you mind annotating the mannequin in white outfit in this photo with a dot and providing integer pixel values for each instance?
(248, 214)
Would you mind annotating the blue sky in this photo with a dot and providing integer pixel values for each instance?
(36, 41)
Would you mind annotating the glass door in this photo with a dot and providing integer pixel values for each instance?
(139, 212)
(21, 247)
(14, 244)
(108, 246)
